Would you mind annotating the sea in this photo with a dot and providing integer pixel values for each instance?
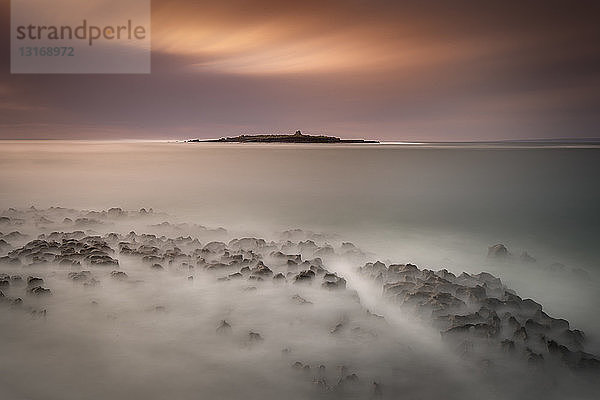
(434, 205)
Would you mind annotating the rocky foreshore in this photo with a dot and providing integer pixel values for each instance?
(477, 315)
(477, 312)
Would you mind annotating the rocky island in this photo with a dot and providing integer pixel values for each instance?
(297, 137)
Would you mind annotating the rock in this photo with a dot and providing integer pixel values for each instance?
(157, 267)
(34, 281)
(498, 251)
(332, 281)
(39, 291)
(224, 327)
(261, 270)
(79, 276)
(520, 335)
(304, 276)
(481, 330)
(338, 328)
(120, 275)
(254, 337)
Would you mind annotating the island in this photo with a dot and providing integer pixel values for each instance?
(297, 137)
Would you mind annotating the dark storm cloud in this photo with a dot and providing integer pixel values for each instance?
(407, 70)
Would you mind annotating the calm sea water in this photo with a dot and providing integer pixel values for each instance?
(436, 206)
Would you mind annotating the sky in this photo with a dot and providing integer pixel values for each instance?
(384, 69)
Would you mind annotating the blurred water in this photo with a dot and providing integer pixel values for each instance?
(433, 205)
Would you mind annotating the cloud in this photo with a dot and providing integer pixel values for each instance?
(411, 70)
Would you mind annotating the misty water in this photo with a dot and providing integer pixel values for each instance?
(433, 206)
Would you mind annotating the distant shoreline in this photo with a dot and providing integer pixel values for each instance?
(297, 137)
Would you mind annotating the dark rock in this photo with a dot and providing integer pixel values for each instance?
(118, 275)
(305, 276)
(224, 327)
(338, 327)
(520, 335)
(79, 276)
(34, 281)
(39, 291)
(254, 337)
(498, 251)
(261, 270)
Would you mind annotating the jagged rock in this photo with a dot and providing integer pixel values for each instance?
(481, 330)
(279, 277)
(304, 276)
(79, 276)
(34, 281)
(261, 270)
(39, 291)
(118, 275)
(332, 281)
